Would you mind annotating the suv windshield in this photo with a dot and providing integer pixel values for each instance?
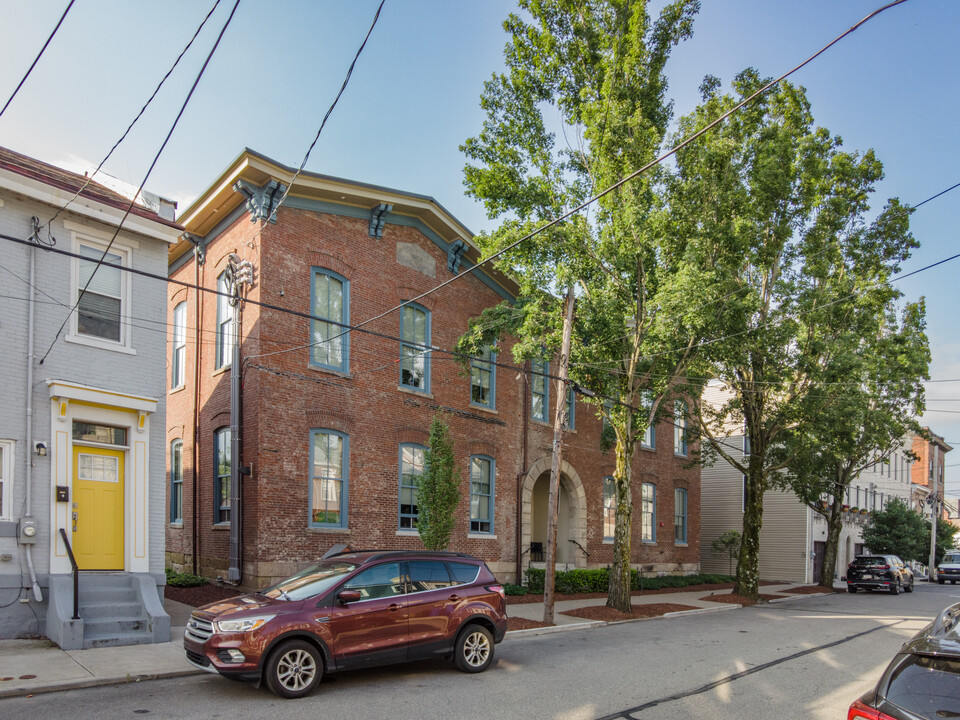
(927, 686)
(315, 580)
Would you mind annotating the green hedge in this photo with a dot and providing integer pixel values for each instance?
(592, 581)
(184, 579)
(509, 589)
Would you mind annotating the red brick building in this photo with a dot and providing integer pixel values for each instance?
(926, 474)
(333, 426)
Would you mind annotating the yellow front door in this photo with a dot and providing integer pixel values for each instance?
(98, 508)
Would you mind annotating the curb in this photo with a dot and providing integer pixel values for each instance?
(530, 632)
(702, 611)
(796, 597)
(94, 682)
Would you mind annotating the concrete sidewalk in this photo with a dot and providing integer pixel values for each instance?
(37, 666)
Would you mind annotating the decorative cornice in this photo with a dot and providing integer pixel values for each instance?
(378, 219)
(455, 255)
(261, 201)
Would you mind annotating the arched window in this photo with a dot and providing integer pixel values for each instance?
(330, 300)
(176, 481)
(328, 490)
(648, 513)
(411, 470)
(482, 474)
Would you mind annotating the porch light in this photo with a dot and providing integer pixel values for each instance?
(41, 449)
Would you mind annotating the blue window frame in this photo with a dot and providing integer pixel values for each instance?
(649, 439)
(482, 475)
(414, 348)
(680, 428)
(539, 390)
(680, 515)
(178, 360)
(329, 486)
(221, 475)
(412, 461)
(330, 300)
(176, 481)
(224, 349)
(483, 380)
(609, 507)
(648, 513)
(571, 409)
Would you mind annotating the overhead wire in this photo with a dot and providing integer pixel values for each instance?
(36, 59)
(183, 107)
(143, 109)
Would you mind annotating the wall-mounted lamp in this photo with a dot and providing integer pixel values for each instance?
(41, 449)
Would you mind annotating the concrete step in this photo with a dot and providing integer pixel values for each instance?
(107, 595)
(117, 639)
(113, 625)
(105, 610)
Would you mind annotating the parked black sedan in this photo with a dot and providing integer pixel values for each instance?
(879, 572)
(922, 681)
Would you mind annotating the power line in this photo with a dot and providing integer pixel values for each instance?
(637, 172)
(934, 197)
(145, 178)
(137, 118)
(343, 87)
(36, 59)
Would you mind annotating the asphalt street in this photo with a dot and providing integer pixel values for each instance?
(807, 658)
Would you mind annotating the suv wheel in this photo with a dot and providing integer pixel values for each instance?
(909, 588)
(474, 649)
(895, 588)
(294, 669)
(851, 588)
(943, 581)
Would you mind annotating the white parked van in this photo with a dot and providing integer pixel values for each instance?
(949, 567)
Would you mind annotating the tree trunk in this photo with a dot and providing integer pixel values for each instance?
(834, 526)
(747, 582)
(559, 425)
(618, 593)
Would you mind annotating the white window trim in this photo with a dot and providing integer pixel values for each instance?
(125, 251)
(9, 453)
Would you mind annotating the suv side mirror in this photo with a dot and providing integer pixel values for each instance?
(348, 596)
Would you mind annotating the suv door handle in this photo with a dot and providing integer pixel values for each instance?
(454, 597)
(393, 607)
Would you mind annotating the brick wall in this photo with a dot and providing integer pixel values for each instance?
(283, 403)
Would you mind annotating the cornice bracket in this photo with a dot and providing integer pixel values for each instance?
(378, 219)
(455, 253)
(261, 201)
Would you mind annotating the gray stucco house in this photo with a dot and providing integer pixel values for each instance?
(82, 424)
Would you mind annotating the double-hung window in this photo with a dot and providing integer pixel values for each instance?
(328, 478)
(224, 350)
(330, 300)
(680, 516)
(179, 356)
(483, 380)
(540, 390)
(482, 474)
(221, 475)
(648, 513)
(649, 439)
(411, 470)
(571, 409)
(6, 479)
(609, 507)
(176, 481)
(680, 428)
(101, 307)
(414, 348)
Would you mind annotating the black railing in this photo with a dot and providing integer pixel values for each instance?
(76, 575)
(582, 548)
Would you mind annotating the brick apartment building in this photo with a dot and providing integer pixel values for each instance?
(334, 426)
(926, 473)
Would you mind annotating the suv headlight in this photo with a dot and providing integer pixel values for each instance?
(246, 624)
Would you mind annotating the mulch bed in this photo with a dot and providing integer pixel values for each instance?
(538, 597)
(808, 590)
(737, 599)
(608, 614)
(517, 623)
(200, 595)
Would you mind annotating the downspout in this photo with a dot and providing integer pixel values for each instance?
(522, 475)
(28, 450)
(236, 511)
(198, 313)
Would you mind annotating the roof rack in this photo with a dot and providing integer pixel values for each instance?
(947, 621)
(378, 553)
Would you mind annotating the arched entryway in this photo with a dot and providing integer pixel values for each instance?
(571, 517)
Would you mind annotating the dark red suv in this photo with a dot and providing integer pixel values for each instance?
(353, 610)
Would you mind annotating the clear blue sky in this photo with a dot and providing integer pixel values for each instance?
(892, 86)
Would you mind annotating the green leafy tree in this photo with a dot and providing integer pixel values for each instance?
(439, 490)
(898, 530)
(594, 72)
(859, 413)
(729, 543)
(792, 204)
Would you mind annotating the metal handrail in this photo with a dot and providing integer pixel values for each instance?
(582, 548)
(76, 575)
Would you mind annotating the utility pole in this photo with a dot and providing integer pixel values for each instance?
(559, 425)
(934, 507)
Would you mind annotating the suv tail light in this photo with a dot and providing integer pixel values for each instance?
(883, 567)
(859, 710)
(499, 590)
